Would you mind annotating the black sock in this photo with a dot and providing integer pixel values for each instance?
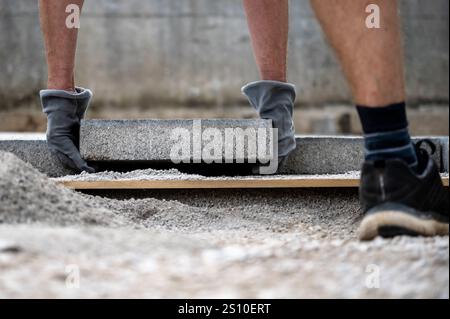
(386, 134)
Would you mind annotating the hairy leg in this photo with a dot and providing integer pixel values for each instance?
(60, 43)
(268, 21)
(372, 59)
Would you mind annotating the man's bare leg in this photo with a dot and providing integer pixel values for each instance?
(272, 97)
(372, 59)
(268, 21)
(60, 43)
(395, 199)
(64, 104)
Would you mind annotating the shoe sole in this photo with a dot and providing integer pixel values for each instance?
(391, 223)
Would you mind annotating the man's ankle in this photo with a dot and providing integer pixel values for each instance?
(386, 134)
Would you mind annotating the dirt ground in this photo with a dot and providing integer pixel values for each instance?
(57, 243)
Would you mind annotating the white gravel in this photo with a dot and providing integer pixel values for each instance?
(253, 244)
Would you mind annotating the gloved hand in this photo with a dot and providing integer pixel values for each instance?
(275, 101)
(64, 111)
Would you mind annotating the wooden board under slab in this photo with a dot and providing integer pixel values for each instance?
(217, 183)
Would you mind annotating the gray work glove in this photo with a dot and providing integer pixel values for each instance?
(275, 101)
(64, 111)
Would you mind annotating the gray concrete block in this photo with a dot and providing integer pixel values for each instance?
(150, 140)
(336, 154)
(314, 154)
(32, 148)
(191, 141)
(325, 155)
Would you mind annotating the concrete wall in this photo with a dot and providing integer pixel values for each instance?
(154, 51)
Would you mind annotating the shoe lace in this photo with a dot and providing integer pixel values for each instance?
(423, 154)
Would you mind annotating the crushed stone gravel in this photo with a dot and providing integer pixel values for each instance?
(252, 244)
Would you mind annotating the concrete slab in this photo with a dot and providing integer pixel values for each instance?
(150, 140)
(314, 154)
(189, 141)
(340, 154)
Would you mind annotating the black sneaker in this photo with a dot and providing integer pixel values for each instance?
(398, 201)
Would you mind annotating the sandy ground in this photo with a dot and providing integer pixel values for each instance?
(256, 244)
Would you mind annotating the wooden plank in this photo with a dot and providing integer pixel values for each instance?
(243, 183)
